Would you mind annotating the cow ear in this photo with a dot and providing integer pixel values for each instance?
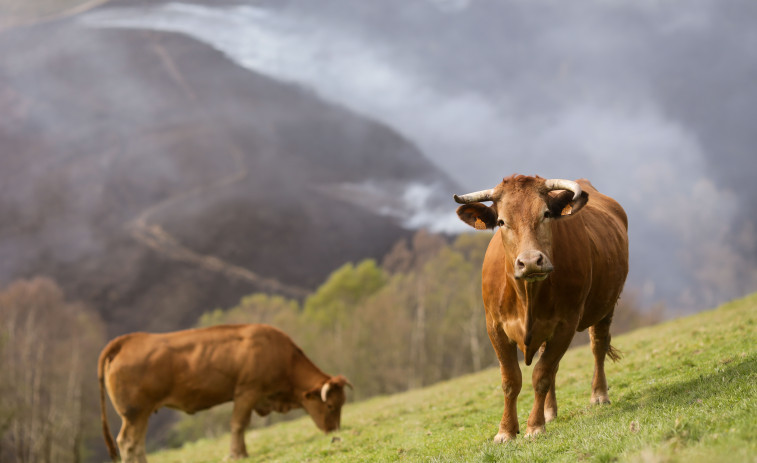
(478, 216)
(563, 204)
(340, 381)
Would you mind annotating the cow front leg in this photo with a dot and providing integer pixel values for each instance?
(543, 379)
(240, 419)
(600, 346)
(511, 382)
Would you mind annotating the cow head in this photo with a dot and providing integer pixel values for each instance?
(324, 403)
(523, 208)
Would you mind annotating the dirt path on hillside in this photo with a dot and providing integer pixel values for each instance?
(155, 237)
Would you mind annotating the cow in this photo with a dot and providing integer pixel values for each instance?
(556, 265)
(258, 367)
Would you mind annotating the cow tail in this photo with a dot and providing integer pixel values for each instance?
(106, 355)
(614, 353)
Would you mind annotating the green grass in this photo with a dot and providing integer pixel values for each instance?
(686, 391)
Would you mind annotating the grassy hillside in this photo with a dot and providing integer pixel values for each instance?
(686, 390)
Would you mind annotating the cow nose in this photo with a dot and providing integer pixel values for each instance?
(532, 265)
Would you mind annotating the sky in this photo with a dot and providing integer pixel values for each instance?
(655, 102)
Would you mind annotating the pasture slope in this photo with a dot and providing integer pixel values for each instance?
(686, 390)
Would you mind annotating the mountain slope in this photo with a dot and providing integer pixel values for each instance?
(685, 391)
(156, 179)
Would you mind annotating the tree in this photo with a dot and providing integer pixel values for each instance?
(331, 309)
(49, 347)
(377, 341)
(343, 291)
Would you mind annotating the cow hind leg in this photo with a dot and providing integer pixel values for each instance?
(600, 347)
(131, 438)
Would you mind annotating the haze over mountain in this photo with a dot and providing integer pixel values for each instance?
(652, 101)
(156, 179)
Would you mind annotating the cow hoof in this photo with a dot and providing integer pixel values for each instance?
(236, 456)
(549, 415)
(600, 400)
(503, 437)
(531, 433)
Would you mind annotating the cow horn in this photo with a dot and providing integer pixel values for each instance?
(560, 184)
(475, 197)
(325, 390)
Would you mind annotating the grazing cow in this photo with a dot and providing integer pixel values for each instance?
(257, 366)
(556, 265)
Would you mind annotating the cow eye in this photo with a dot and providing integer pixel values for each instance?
(501, 223)
(547, 214)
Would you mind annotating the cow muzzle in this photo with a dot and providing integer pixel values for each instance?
(532, 266)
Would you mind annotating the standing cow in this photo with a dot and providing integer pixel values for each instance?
(556, 265)
(256, 366)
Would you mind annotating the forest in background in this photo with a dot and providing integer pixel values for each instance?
(411, 320)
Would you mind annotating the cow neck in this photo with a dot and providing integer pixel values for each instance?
(306, 375)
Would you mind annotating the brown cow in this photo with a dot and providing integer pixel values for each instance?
(556, 265)
(257, 366)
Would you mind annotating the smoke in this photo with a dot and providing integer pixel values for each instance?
(631, 95)
(413, 205)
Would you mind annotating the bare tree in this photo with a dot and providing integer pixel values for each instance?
(418, 337)
(50, 345)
